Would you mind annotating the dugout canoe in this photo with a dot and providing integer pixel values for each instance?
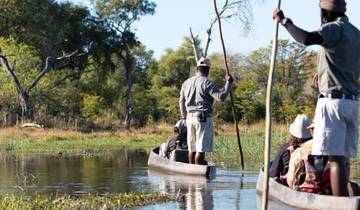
(303, 200)
(157, 162)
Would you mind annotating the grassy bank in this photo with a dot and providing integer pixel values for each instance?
(107, 201)
(51, 141)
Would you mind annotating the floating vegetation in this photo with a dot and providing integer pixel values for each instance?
(106, 201)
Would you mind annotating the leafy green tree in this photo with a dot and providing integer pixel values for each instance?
(25, 58)
(295, 67)
(119, 17)
(174, 67)
(222, 111)
(248, 100)
(53, 28)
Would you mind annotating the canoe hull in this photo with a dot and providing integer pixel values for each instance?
(303, 200)
(158, 162)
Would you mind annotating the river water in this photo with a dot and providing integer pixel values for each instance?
(126, 171)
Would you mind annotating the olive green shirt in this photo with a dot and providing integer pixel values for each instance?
(339, 57)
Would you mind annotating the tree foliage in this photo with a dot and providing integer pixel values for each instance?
(118, 78)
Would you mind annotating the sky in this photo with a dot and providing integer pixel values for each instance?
(173, 18)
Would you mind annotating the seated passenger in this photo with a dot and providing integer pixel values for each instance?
(310, 173)
(298, 134)
(178, 141)
(296, 163)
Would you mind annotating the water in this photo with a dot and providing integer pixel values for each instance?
(126, 171)
(228, 190)
(106, 172)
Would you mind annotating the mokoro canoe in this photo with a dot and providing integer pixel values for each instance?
(158, 162)
(303, 200)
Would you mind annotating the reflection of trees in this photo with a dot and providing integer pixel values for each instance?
(108, 172)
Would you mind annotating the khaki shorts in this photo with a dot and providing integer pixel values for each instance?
(199, 134)
(336, 127)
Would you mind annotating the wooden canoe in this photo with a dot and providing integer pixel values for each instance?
(158, 162)
(303, 200)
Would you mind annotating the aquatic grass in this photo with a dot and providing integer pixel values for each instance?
(10, 146)
(48, 141)
(252, 141)
(90, 201)
(17, 140)
(31, 146)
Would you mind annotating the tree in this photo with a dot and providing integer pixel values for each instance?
(52, 29)
(294, 69)
(119, 17)
(173, 69)
(9, 47)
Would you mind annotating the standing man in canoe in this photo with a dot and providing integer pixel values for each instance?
(336, 116)
(196, 104)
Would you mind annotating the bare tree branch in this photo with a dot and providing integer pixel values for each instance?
(53, 63)
(10, 71)
(226, 7)
(193, 42)
(212, 23)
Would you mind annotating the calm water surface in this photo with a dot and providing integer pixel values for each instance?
(126, 171)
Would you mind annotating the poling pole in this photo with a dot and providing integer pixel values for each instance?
(268, 120)
(231, 95)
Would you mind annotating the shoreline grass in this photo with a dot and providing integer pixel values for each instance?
(20, 141)
(106, 201)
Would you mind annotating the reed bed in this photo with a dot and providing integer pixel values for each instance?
(54, 202)
(18, 140)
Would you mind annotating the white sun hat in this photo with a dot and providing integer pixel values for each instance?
(299, 127)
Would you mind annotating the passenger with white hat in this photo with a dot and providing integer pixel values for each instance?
(297, 164)
(299, 133)
(338, 70)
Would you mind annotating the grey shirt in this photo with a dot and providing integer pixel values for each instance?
(198, 94)
(339, 57)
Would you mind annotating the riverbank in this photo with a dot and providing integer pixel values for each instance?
(107, 201)
(16, 140)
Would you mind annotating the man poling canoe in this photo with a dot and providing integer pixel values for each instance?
(338, 70)
(196, 104)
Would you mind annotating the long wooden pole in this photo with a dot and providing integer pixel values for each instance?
(231, 95)
(268, 119)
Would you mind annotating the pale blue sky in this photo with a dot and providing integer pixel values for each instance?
(171, 22)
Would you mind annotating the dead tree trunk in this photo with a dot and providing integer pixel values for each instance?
(27, 112)
(24, 93)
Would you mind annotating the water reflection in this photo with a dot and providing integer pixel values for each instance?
(191, 191)
(228, 190)
(111, 171)
(126, 171)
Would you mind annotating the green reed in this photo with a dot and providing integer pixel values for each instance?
(57, 202)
